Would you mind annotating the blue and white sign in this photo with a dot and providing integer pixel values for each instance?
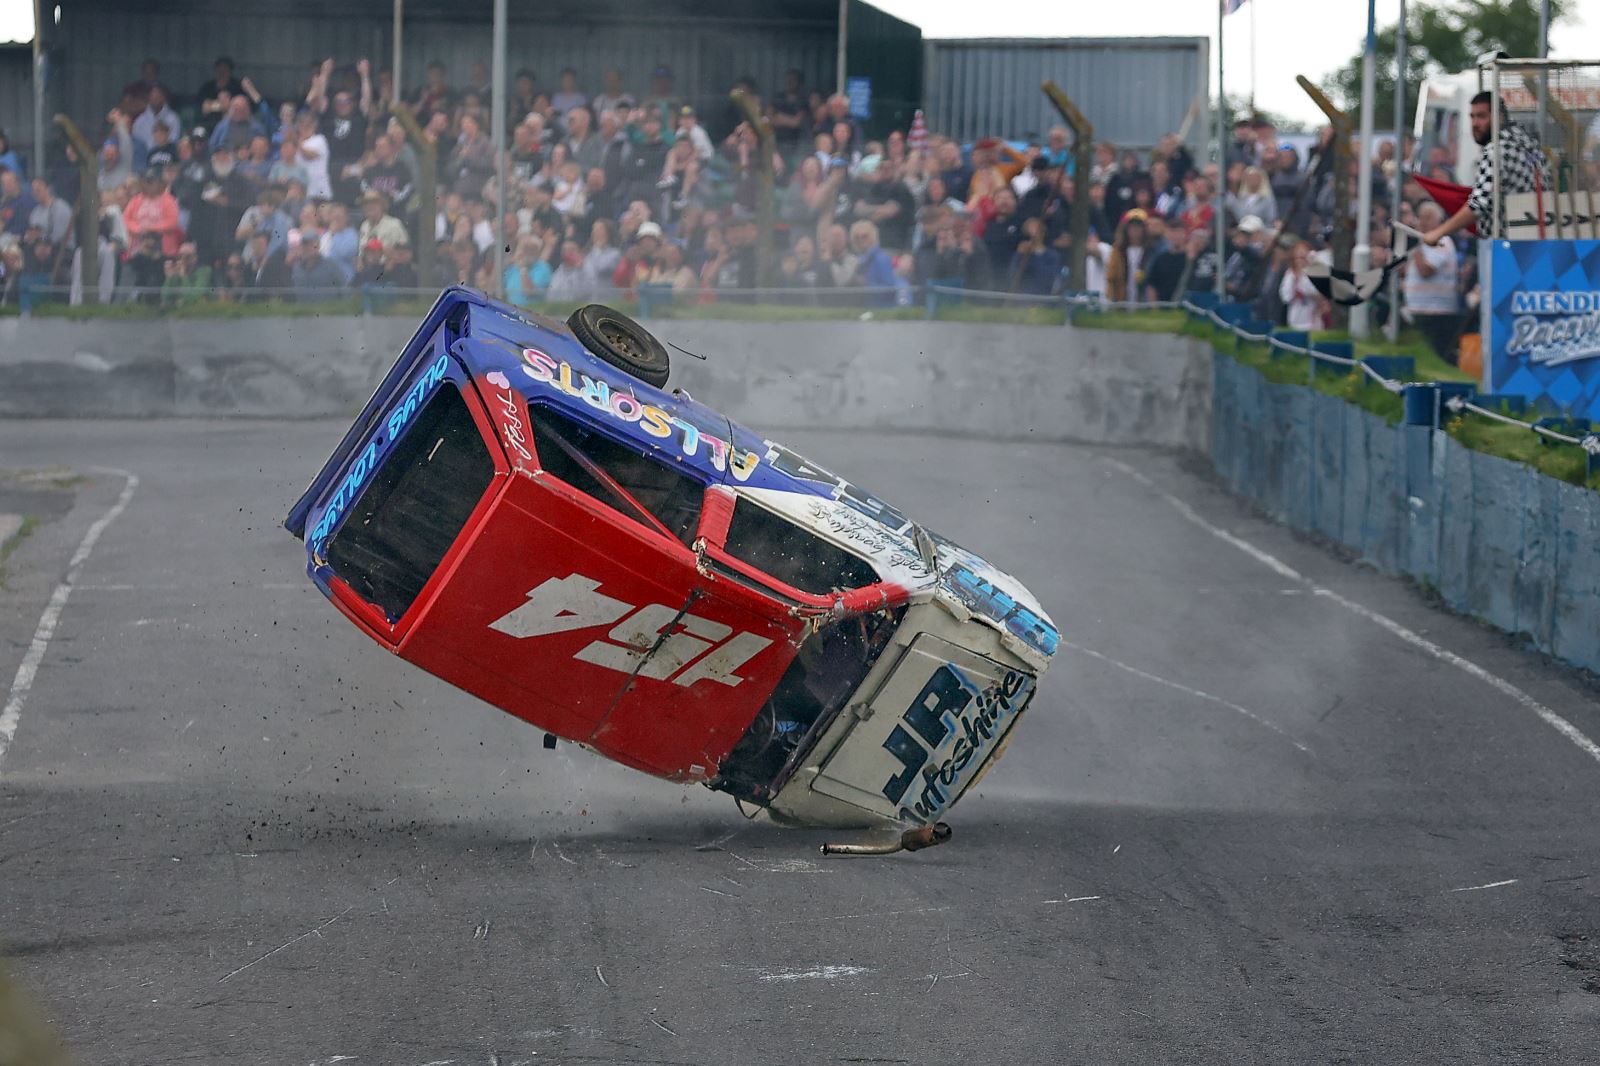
(859, 90)
(1544, 324)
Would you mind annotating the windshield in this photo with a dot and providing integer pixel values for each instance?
(411, 512)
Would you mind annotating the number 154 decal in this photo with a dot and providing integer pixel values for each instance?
(652, 641)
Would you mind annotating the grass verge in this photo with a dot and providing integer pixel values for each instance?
(1518, 443)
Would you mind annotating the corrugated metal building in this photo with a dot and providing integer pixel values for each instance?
(16, 97)
(98, 44)
(1134, 89)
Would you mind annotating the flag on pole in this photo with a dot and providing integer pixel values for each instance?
(1349, 288)
(1230, 6)
(1346, 288)
(917, 139)
(1448, 195)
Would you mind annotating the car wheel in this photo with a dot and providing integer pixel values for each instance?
(622, 342)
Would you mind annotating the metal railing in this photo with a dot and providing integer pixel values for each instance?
(1424, 400)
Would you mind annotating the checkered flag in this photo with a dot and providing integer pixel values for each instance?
(1346, 288)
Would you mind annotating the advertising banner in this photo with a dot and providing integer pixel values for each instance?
(1544, 323)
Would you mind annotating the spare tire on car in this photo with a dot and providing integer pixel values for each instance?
(622, 342)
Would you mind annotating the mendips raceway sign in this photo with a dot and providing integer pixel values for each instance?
(1544, 324)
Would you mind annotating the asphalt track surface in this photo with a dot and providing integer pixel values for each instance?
(1243, 822)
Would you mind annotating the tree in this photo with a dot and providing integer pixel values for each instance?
(1441, 39)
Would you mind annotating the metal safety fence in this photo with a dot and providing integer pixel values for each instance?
(1426, 403)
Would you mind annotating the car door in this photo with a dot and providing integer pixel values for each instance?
(580, 607)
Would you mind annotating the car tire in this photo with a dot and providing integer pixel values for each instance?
(622, 342)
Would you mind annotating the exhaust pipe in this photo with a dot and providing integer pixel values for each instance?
(927, 836)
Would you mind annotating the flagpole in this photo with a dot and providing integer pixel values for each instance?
(1220, 198)
(1361, 256)
(1393, 328)
(1253, 56)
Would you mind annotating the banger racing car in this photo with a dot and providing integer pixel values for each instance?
(524, 511)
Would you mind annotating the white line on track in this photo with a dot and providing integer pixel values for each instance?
(1186, 690)
(11, 716)
(1415, 639)
(1491, 884)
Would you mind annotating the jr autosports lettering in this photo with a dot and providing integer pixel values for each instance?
(949, 705)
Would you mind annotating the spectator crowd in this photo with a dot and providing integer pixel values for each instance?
(222, 193)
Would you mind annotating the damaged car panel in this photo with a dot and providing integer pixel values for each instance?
(630, 570)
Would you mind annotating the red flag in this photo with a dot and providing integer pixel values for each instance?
(918, 139)
(1448, 195)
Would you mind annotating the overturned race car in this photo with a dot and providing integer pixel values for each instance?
(524, 512)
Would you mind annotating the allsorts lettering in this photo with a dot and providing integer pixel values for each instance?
(558, 376)
(404, 410)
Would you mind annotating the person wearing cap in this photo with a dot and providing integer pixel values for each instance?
(116, 154)
(377, 224)
(689, 127)
(661, 100)
(1240, 272)
(369, 263)
(884, 200)
(155, 210)
(994, 164)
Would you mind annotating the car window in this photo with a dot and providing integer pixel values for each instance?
(401, 526)
(642, 489)
(793, 554)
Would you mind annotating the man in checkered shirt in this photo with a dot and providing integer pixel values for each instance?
(1523, 164)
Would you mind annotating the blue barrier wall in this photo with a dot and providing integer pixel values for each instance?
(1496, 539)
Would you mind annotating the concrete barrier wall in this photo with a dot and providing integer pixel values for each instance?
(1037, 383)
(1011, 382)
(1495, 539)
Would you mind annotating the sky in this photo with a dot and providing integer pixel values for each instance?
(1310, 37)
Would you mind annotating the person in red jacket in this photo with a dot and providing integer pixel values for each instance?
(154, 210)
